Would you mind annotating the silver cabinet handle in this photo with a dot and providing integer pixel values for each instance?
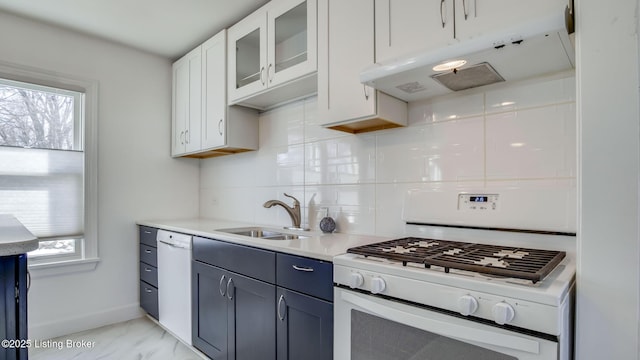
(280, 302)
(220, 126)
(230, 287)
(442, 12)
(366, 93)
(147, 232)
(147, 251)
(303, 268)
(262, 75)
(28, 280)
(464, 9)
(146, 269)
(147, 290)
(270, 72)
(221, 287)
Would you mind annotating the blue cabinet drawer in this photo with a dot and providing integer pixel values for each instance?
(256, 263)
(149, 255)
(149, 274)
(148, 235)
(308, 276)
(149, 299)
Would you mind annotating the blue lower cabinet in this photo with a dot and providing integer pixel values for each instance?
(304, 327)
(13, 301)
(233, 315)
(255, 304)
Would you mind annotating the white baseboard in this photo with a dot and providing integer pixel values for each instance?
(70, 325)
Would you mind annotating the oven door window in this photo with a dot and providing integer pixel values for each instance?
(375, 338)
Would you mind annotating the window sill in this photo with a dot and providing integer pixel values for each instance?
(63, 267)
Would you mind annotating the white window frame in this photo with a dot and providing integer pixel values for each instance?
(87, 257)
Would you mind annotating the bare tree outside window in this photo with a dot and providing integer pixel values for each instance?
(36, 117)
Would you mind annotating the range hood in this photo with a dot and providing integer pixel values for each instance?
(531, 49)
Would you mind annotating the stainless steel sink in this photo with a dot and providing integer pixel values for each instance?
(262, 233)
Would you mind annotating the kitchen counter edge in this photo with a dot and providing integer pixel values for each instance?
(318, 245)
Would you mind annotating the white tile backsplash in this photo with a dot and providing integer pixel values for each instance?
(511, 136)
(348, 160)
(279, 166)
(532, 93)
(447, 151)
(282, 126)
(534, 143)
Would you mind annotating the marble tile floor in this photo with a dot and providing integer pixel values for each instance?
(137, 339)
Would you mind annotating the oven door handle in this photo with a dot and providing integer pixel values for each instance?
(443, 328)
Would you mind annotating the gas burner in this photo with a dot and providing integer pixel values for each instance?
(520, 263)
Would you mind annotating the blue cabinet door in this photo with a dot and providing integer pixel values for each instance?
(305, 327)
(13, 302)
(252, 319)
(210, 310)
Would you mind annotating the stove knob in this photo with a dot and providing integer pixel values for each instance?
(355, 280)
(502, 313)
(377, 285)
(467, 305)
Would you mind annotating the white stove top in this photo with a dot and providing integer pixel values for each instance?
(550, 291)
(536, 306)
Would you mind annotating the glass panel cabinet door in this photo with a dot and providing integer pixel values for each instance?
(247, 48)
(292, 40)
(248, 59)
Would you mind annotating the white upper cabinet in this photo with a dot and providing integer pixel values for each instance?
(481, 17)
(213, 94)
(273, 54)
(346, 46)
(404, 27)
(186, 101)
(222, 129)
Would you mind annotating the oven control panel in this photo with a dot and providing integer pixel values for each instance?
(478, 202)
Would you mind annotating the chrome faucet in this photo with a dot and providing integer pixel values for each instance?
(294, 212)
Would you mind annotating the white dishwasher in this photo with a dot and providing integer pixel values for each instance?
(174, 283)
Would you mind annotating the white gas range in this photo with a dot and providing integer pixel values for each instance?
(459, 292)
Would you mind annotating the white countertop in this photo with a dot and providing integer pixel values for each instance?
(14, 237)
(318, 245)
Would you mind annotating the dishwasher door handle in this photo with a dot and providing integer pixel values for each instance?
(173, 245)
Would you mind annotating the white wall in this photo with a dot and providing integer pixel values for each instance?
(608, 244)
(137, 177)
(519, 135)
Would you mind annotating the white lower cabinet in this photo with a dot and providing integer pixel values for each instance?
(346, 45)
(222, 129)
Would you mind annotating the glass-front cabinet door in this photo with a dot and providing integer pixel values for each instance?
(292, 40)
(275, 44)
(247, 61)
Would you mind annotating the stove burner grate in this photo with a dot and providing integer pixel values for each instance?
(521, 263)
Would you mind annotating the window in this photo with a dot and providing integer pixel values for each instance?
(47, 172)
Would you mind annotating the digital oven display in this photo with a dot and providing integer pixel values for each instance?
(479, 199)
